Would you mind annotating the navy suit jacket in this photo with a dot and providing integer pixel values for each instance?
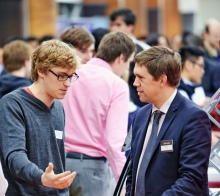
(183, 171)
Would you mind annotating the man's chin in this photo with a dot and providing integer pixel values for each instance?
(60, 96)
(142, 100)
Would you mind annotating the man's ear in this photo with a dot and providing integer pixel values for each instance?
(131, 27)
(188, 65)
(40, 73)
(121, 58)
(26, 62)
(163, 80)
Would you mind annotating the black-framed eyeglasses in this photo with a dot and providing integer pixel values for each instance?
(64, 77)
(202, 66)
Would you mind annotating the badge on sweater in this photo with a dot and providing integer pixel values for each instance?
(59, 134)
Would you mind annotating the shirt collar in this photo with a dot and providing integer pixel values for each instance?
(100, 62)
(185, 81)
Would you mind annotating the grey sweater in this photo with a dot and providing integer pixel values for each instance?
(31, 136)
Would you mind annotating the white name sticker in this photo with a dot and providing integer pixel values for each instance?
(166, 145)
(59, 134)
(166, 148)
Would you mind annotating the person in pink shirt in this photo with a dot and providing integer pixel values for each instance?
(96, 109)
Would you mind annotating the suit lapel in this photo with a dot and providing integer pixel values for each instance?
(168, 119)
(141, 138)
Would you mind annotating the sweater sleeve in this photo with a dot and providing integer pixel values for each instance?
(13, 142)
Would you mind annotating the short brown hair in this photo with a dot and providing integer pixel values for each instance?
(113, 45)
(15, 54)
(79, 37)
(161, 61)
(53, 53)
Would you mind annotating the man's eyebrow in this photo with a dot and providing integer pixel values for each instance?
(136, 74)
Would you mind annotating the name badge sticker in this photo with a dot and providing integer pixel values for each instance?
(59, 134)
(166, 146)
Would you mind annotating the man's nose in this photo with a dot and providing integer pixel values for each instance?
(136, 83)
(67, 82)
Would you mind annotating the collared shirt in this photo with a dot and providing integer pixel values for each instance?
(164, 108)
(140, 43)
(198, 96)
(96, 108)
(1, 68)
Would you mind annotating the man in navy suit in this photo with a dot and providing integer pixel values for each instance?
(180, 156)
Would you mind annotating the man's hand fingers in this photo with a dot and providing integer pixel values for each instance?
(57, 177)
(60, 181)
(49, 168)
(68, 178)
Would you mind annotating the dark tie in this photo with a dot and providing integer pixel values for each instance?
(140, 186)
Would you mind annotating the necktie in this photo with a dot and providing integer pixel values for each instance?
(140, 186)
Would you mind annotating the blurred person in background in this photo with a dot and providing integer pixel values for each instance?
(211, 79)
(82, 41)
(191, 39)
(192, 73)
(96, 109)
(16, 60)
(186, 38)
(33, 41)
(176, 42)
(192, 58)
(157, 39)
(13, 38)
(211, 37)
(98, 34)
(45, 38)
(124, 20)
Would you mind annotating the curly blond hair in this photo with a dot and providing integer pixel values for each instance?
(53, 53)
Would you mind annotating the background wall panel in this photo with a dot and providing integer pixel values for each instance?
(43, 15)
(171, 18)
(10, 19)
